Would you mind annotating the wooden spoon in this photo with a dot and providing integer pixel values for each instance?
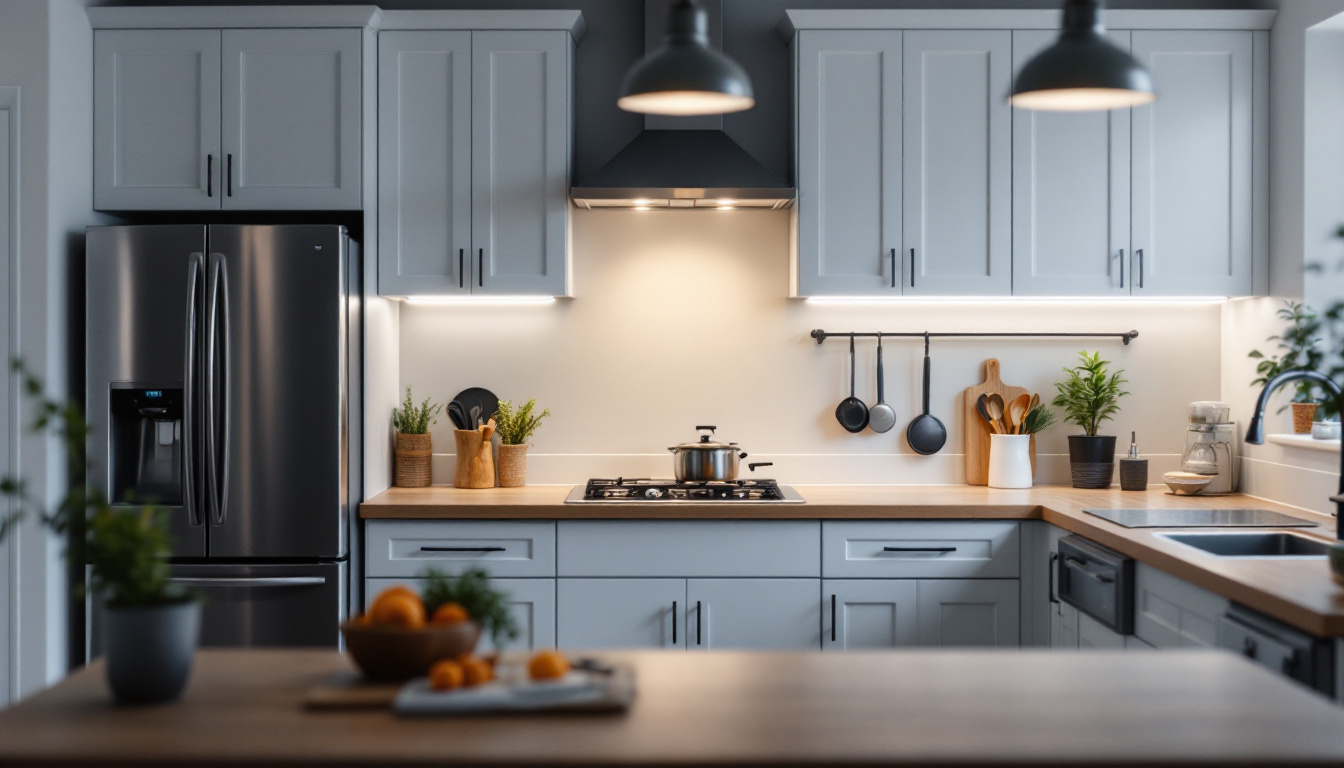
(1017, 413)
(994, 406)
(984, 414)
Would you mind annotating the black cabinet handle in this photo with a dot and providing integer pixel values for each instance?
(462, 549)
(461, 278)
(1140, 253)
(674, 622)
(912, 267)
(480, 267)
(1054, 593)
(699, 621)
(893, 267)
(1248, 648)
(229, 187)
(835, 618)
(209, 175)
(919, 549)
(1122, 267)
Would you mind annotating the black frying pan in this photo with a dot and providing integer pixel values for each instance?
(851, 412)
(926, 434)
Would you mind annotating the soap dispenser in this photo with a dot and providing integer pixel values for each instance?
(1133, 470)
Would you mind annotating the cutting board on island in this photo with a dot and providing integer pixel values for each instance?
(976, 430)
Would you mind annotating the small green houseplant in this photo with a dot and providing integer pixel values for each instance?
(487, 606)
(415, 445)
(515, 425)
(1090, 395)
(1300, 345)
(152, 623)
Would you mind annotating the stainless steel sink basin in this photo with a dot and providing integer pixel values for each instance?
(1252, 544)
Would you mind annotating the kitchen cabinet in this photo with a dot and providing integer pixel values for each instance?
(509, 548)
(474, 161)
(891, 613)
(944, 549)
(531, 603)
(228, 119)
(1171, 613)
(758, 614)
(870, 613)
(621, 613)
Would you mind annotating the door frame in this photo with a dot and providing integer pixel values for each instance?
(9, 407)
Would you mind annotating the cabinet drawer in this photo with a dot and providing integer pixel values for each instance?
(686, 549)
(902, 550)
(502, 549)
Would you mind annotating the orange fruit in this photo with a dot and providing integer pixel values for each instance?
(547, 665)
(389, 592)
(401, 610)
(449, 614)
(478, 671)
(446, 675)
(362, 620)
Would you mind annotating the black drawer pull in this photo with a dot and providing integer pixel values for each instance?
(462, 549)
(699, 621)
(674, 622)
(1082, 568)
(942, 550)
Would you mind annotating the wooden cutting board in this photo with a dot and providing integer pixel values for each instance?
(976, 431)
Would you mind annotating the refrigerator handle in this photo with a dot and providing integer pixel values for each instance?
(225, 377)
(189, 452)
(214, 308)
(243, 581)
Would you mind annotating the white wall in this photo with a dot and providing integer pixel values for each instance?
(680, 318)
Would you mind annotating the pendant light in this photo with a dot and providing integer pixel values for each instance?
(1082, 71)
(686, 76)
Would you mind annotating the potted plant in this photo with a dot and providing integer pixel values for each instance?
(1089, 396)
(1300, 345)
(1010, 454)
(515, 426)
(415, 445)
(152, 624)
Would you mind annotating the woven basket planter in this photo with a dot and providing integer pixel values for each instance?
(413, 457)
(1303, 416)
(512, 466)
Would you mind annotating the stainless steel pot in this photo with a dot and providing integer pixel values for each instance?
(706, 460)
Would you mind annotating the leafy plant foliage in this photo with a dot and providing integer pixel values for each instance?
(412, 420)
(1301, 345)
(1090, 395)
(1038, 419)
(488, 606)
(515, 425)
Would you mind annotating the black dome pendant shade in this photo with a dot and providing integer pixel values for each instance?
(1082, 71)
(686, 76)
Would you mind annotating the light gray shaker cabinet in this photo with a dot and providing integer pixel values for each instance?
(1070, 193)
(1193, 158)
(757, 614)
(531, 603)
(156, 119)
(234, 119)
(869, 613)
(957, 139)
(621, 613)
(849, 162)
(892, 613)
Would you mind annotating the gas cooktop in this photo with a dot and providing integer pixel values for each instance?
(642, 489)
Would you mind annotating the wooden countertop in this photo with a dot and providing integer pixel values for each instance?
(950, 708)
(1299, 592)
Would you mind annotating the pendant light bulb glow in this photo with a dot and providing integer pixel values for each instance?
(1082, 71)
(686, 76)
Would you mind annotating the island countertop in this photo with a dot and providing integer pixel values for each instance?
(900, 708)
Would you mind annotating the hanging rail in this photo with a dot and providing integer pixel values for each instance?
(1127, 336)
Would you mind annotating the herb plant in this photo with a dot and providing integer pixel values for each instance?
(1090, 395)
(412, 420)
(515, 425)
(1038, 419)
(1301, 350)
(486, 605)
(126, 549)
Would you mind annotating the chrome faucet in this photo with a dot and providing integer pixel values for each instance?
(1255, 433)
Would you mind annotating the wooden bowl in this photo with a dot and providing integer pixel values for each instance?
(1186, 483)
(395, 653)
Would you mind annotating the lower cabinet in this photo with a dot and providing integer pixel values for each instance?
(890, 613)
(532, 602)
(620, 613)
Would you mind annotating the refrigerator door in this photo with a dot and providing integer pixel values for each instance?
(277, 328)
(144, 299)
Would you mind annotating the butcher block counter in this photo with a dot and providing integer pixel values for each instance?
(898, 708)
(1297, 591)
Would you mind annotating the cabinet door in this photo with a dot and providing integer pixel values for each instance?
(620, 613)
(1094, 634)
(849, 162)
(1070, 193)
(1064, 625)
(958, 162)
(757, 614)
(1192, 165)
(520, 162)
(968, 612)
(156, 119)
(291, 115)
(424, 162)
(531, 601)
(869, 613)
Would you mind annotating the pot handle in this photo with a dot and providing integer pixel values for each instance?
(753, 467)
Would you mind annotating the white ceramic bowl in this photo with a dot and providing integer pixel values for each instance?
(1186, 483)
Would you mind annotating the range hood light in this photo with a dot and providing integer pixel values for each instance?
(1082, 71)
(686, 76)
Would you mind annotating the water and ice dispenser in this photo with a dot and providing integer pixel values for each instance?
(145, 445)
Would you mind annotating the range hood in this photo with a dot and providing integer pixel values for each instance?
(682, 162)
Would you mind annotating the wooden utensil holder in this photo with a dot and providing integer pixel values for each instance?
(475, 460)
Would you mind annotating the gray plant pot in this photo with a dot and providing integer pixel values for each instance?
(1092, 460)
(149, 650)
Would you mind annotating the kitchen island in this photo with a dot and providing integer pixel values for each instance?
(950, 708)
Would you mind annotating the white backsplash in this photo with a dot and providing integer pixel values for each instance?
(681, 318)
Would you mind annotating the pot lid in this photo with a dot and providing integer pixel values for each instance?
(705, 443)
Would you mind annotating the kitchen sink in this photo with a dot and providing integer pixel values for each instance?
(1252, 544)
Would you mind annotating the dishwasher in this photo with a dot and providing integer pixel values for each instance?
(1097, 581)
(1286, 650)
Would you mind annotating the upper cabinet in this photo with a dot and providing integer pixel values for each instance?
(916, 178)
(474, 159)
(225, 118)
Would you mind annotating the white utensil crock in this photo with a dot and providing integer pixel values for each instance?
(1010, 461)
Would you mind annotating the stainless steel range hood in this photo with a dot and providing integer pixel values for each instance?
(680, 162)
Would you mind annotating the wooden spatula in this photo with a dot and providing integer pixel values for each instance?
(1017, 413)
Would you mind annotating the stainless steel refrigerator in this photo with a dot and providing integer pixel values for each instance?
(223, 386)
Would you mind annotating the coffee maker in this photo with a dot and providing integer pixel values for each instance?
(1211, 446)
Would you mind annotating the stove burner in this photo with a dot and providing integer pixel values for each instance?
(648, 489)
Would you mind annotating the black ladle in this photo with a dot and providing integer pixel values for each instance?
(926, 434)
(851, 412)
